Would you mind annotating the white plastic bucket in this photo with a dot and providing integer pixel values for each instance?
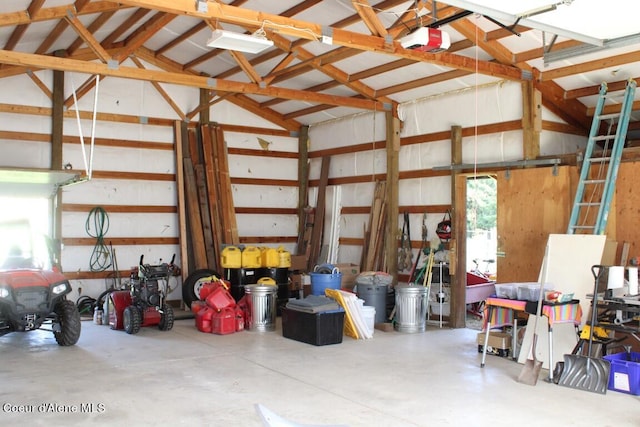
(369, 316)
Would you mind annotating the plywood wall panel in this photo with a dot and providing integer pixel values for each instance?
(627, 212)
(532, 203)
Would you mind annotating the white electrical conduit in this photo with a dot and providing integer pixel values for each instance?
(87, 167)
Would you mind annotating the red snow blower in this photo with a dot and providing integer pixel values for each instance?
(144, 304)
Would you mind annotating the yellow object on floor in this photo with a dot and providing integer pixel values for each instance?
(349, 326)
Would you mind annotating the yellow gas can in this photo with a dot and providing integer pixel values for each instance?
(269, 257)
(251, 257)
(231, 257)
(284, 258)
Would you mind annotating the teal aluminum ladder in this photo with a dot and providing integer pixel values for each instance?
(596, 186)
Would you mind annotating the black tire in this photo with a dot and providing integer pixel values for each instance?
(131, 319)
(193, 283)
(69, 320)
(166, 318)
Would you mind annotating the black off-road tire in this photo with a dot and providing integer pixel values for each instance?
(69, 319)
(193, 283)
(166, 318)
(131, 319)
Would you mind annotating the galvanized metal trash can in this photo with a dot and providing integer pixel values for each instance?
(412, 303)
(262, 307)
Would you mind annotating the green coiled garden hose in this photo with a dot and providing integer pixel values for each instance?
(96, 226)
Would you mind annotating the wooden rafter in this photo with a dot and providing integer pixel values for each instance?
(161, 91)
(58, 12)
(87, 37)
(182, 37)
(369, 17)
(43, 87)
(144, 33)
(312, 31)
(272, 116)
(291, 57)
(596, 64)
(65, 64)
(19, 31)
(595, 89)
(248, 69)
(92, 28)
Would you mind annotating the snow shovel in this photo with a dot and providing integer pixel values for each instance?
(531, 369)
(586, 372)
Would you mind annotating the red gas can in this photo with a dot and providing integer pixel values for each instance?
(239, 319)
(207, 288)
(196, 306)
(203, 319)
(224, 321)
(220, 298)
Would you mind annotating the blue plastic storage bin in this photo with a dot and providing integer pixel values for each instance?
(625, 372)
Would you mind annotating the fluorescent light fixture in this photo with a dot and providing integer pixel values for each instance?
(229, 40)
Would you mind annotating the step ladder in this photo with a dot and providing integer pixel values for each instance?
(596, 186)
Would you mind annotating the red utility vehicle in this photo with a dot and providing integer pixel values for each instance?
(33, 291)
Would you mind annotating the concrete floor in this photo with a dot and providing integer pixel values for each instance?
(185, 377)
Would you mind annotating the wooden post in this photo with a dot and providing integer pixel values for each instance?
(303, 180)
(531, 120)
(57, 133)
(180, 131)
(393, 150)
(318, 222)
(204, 106)
(457, 246)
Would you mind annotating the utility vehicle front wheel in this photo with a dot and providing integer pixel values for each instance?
(67, 330)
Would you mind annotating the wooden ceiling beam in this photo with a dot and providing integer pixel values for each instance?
(45, 14)
(595, 89)
(162, 61)
(528, 55)
(65, 64)
(369, 18)
(424, 81)
(254, 107)
(299, 8)
(43, 87)
(315, 88)
(144, 33)
(182, 37)
(128, 23)
(53, 36)
(312, 31)
(494, 48)
(597, 64)
(503, 32)
(573, 112)
(612, 109)
(305, 111)
(303, 67)
(288, 59)
(162, 92)
(92, 28)
(19, 31)
(87, 37)
(244, 64)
